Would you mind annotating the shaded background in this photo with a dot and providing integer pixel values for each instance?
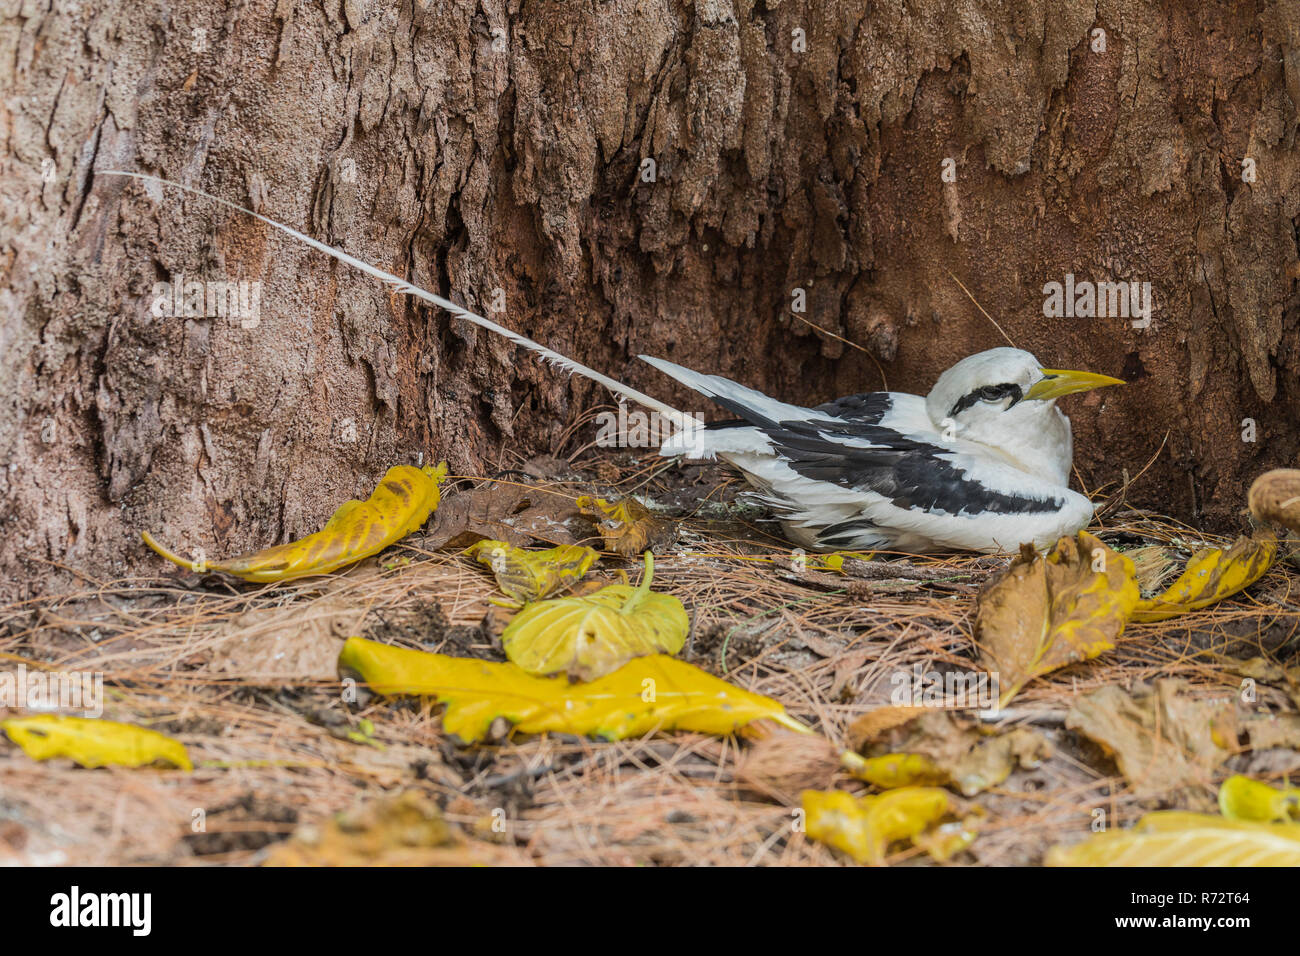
(483, 146)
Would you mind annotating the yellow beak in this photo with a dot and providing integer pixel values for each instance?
(1057, 382)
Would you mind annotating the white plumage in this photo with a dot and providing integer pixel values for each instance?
(981, 463)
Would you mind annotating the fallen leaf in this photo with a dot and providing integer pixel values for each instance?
(937, 747)
(92, 742)
(1241, 798)
(627, 526)
(645, 695)
(865, 827)
(1211, 575)
(589, 636)
(407, 830)
(1163, 738)
(1175, 838)
(527, 576)
(873, 723)
(1048, 612)
(515, 513)
(402, 502)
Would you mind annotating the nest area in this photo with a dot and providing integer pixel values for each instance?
(241, 674)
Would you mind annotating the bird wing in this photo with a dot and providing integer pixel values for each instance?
(873, 467)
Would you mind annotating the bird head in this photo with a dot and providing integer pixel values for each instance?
(991, 395)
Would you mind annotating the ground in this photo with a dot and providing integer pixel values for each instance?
(245, 676)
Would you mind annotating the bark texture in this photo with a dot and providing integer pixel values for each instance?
(477, 145)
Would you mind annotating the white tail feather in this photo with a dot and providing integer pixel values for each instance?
(402, 286)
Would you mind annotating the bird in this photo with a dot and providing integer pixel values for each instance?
(980, 463)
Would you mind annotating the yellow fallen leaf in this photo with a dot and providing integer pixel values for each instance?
(92, 742)
(865, 827)
(890, 771)
(1048, 612)
(1176, 838)
(1241, 798)
(627, 525)
(647, 694)
(525, 575)
(402, 502)
(1211, 575)
(589, 636)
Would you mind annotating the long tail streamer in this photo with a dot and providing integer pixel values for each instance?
(678, 418)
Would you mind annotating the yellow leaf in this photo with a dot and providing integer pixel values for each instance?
(402, 502)
(627, 525)
(1174, 838)
(1241, 798)
(890, 771)
(592, 635)
(865, 827)
(93, 743)
(648, 694)
(532, 575)
(1211, 575)
(1048, 612)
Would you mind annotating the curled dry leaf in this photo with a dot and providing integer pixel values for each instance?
(627, 526)
(402, 502)
(92, 742)
(1241, 798)
(525, 576)
(1048, 612)
(407, 830)
(1162, 738)
(648, 694)
(508, 511)
(1275, 496)
(937, 747)
(1176, 838)
(589, 636)
(865, 827)
(1211, 575)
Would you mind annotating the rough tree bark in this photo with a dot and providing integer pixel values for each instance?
(476, 146)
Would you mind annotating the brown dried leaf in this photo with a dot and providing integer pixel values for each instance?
(1045, 613)
(515, 513)
(1163, 738)
(951, 751)
(407, 830)
(627, 526)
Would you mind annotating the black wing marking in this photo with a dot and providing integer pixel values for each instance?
(869, 407)
(906, 471)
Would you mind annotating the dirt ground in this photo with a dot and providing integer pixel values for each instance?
(245, 676)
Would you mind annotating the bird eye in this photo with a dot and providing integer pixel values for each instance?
(990, 393)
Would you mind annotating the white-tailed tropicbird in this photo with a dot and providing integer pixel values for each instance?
(981, 463)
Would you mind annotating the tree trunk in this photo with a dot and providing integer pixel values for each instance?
(624, 177)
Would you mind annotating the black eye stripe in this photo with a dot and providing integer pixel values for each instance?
(988, 393)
